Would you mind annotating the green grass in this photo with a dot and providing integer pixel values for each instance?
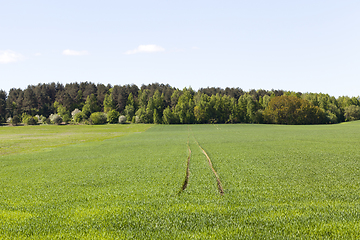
(123, 181)
(22, 139)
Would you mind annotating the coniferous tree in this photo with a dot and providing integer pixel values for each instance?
(2, 106)
(29, 101)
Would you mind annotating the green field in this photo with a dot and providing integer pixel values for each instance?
(125, 181)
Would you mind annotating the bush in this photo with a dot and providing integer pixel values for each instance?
(40, 119)
(47, 120)
(25, 117)
(98, 118)
(51, 117)
(15, 120)
(57, 119)
(30, 121)
(113, 116)
(122, 119)
(66, 118)
(44, 120)
(137, 119)
(76, 111)
(79, 117)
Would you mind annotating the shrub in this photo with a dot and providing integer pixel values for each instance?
(98, 118)
(30, 121)
(137, 119)
(44, 119)
(25, 117)
(40, 119)
(57, 119)
(79, 117)
(15, 120)
(47, 120)
(51, 117)
(76, 111)
(113, 116)
(66, 118)
(122, 119)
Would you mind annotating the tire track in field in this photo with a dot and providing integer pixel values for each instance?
(186, 180)
(220, 188)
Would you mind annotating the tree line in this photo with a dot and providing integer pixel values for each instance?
(91, 103)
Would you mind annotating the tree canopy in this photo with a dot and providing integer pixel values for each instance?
(163, 104)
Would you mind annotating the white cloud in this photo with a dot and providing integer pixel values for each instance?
(74, 53)
(9, 56)
(146, 49)
(195, 48)
(37, 54)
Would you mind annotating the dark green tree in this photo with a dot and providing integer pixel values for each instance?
(2, 106)
(29, 101)
(293, 110)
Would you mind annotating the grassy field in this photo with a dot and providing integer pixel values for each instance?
(125, 181)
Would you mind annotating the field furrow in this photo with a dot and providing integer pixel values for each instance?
(220, 188)
(186, 181)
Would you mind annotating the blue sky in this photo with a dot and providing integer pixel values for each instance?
(307, 46)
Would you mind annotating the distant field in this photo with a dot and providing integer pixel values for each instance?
(125, 181)
(22, 139)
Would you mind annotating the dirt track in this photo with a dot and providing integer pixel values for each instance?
(220, 188)
(186, 181)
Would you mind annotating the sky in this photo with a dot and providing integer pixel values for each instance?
(302, 46)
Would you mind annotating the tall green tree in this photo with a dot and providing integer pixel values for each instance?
(130, 108)
(168, 116)
(91, 105)
(202, 110)
(158, 101)
(352, 113)
(108, 102)
(62, 111)
(2, 106)
(184, 109)
(247, 108)
(29, 101)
